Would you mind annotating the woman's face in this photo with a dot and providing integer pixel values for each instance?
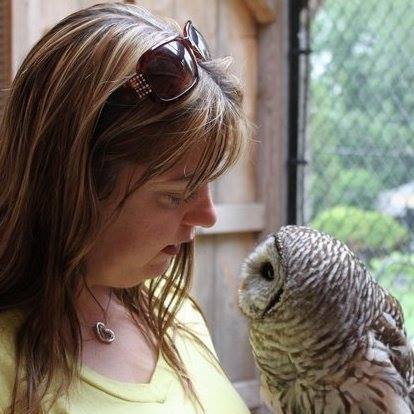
(155, 216)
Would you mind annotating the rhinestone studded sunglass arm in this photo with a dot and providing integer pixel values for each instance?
(169, 69)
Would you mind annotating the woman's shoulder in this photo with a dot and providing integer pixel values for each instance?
(191, 316)
(190, 312)
(10, 321)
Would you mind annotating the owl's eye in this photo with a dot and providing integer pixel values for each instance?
(266, 270)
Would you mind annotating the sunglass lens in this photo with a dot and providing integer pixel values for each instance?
(198, 41)
(170, 70)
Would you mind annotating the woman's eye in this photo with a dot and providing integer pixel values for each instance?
(176, 200)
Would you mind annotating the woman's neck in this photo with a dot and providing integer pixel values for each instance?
(88, 309)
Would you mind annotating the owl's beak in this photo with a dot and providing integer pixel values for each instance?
(275, 300)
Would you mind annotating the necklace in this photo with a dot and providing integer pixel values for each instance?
(103, 333)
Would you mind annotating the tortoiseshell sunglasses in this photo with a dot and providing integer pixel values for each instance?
(168, 70)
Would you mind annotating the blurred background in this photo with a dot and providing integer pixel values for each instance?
(356, 109)
(329, 85)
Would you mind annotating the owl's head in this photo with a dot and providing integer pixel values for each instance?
(263, 279)
(299, 270)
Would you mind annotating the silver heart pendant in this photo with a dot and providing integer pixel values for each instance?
(103, 333)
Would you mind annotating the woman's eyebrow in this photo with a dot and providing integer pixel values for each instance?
(178, 182)
(185, 177)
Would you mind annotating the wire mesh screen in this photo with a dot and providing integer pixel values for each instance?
(358, 86)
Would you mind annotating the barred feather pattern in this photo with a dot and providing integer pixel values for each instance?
(327, 338)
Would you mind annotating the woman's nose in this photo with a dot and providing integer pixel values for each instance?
(202, 212)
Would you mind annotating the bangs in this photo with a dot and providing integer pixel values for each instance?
(223, 140)
(210, 117)
(213, 117)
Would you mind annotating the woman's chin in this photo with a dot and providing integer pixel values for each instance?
(157, 268)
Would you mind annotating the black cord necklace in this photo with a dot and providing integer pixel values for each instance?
(100, 329)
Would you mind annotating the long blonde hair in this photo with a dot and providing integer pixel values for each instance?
(67, 131)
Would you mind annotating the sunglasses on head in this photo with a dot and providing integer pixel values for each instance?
(169, 70)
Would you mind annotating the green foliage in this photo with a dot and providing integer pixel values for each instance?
(396, 273)
(363, 231)
(351, 187)
(361, 131)
(361, 101)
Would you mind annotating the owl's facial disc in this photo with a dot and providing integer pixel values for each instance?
(262, 287)
(275, 299)
(265, 271)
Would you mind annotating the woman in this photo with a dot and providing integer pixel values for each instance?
(116, 124)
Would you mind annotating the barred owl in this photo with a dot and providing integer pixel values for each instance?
(326, 337)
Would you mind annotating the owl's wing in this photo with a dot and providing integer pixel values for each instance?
(389, 329)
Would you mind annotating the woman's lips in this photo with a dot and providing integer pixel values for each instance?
(171, 249)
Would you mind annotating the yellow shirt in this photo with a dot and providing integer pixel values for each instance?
(164, 394)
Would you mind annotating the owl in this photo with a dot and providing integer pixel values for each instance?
(326, 337)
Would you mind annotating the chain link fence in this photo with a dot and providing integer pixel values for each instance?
(358, 86)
